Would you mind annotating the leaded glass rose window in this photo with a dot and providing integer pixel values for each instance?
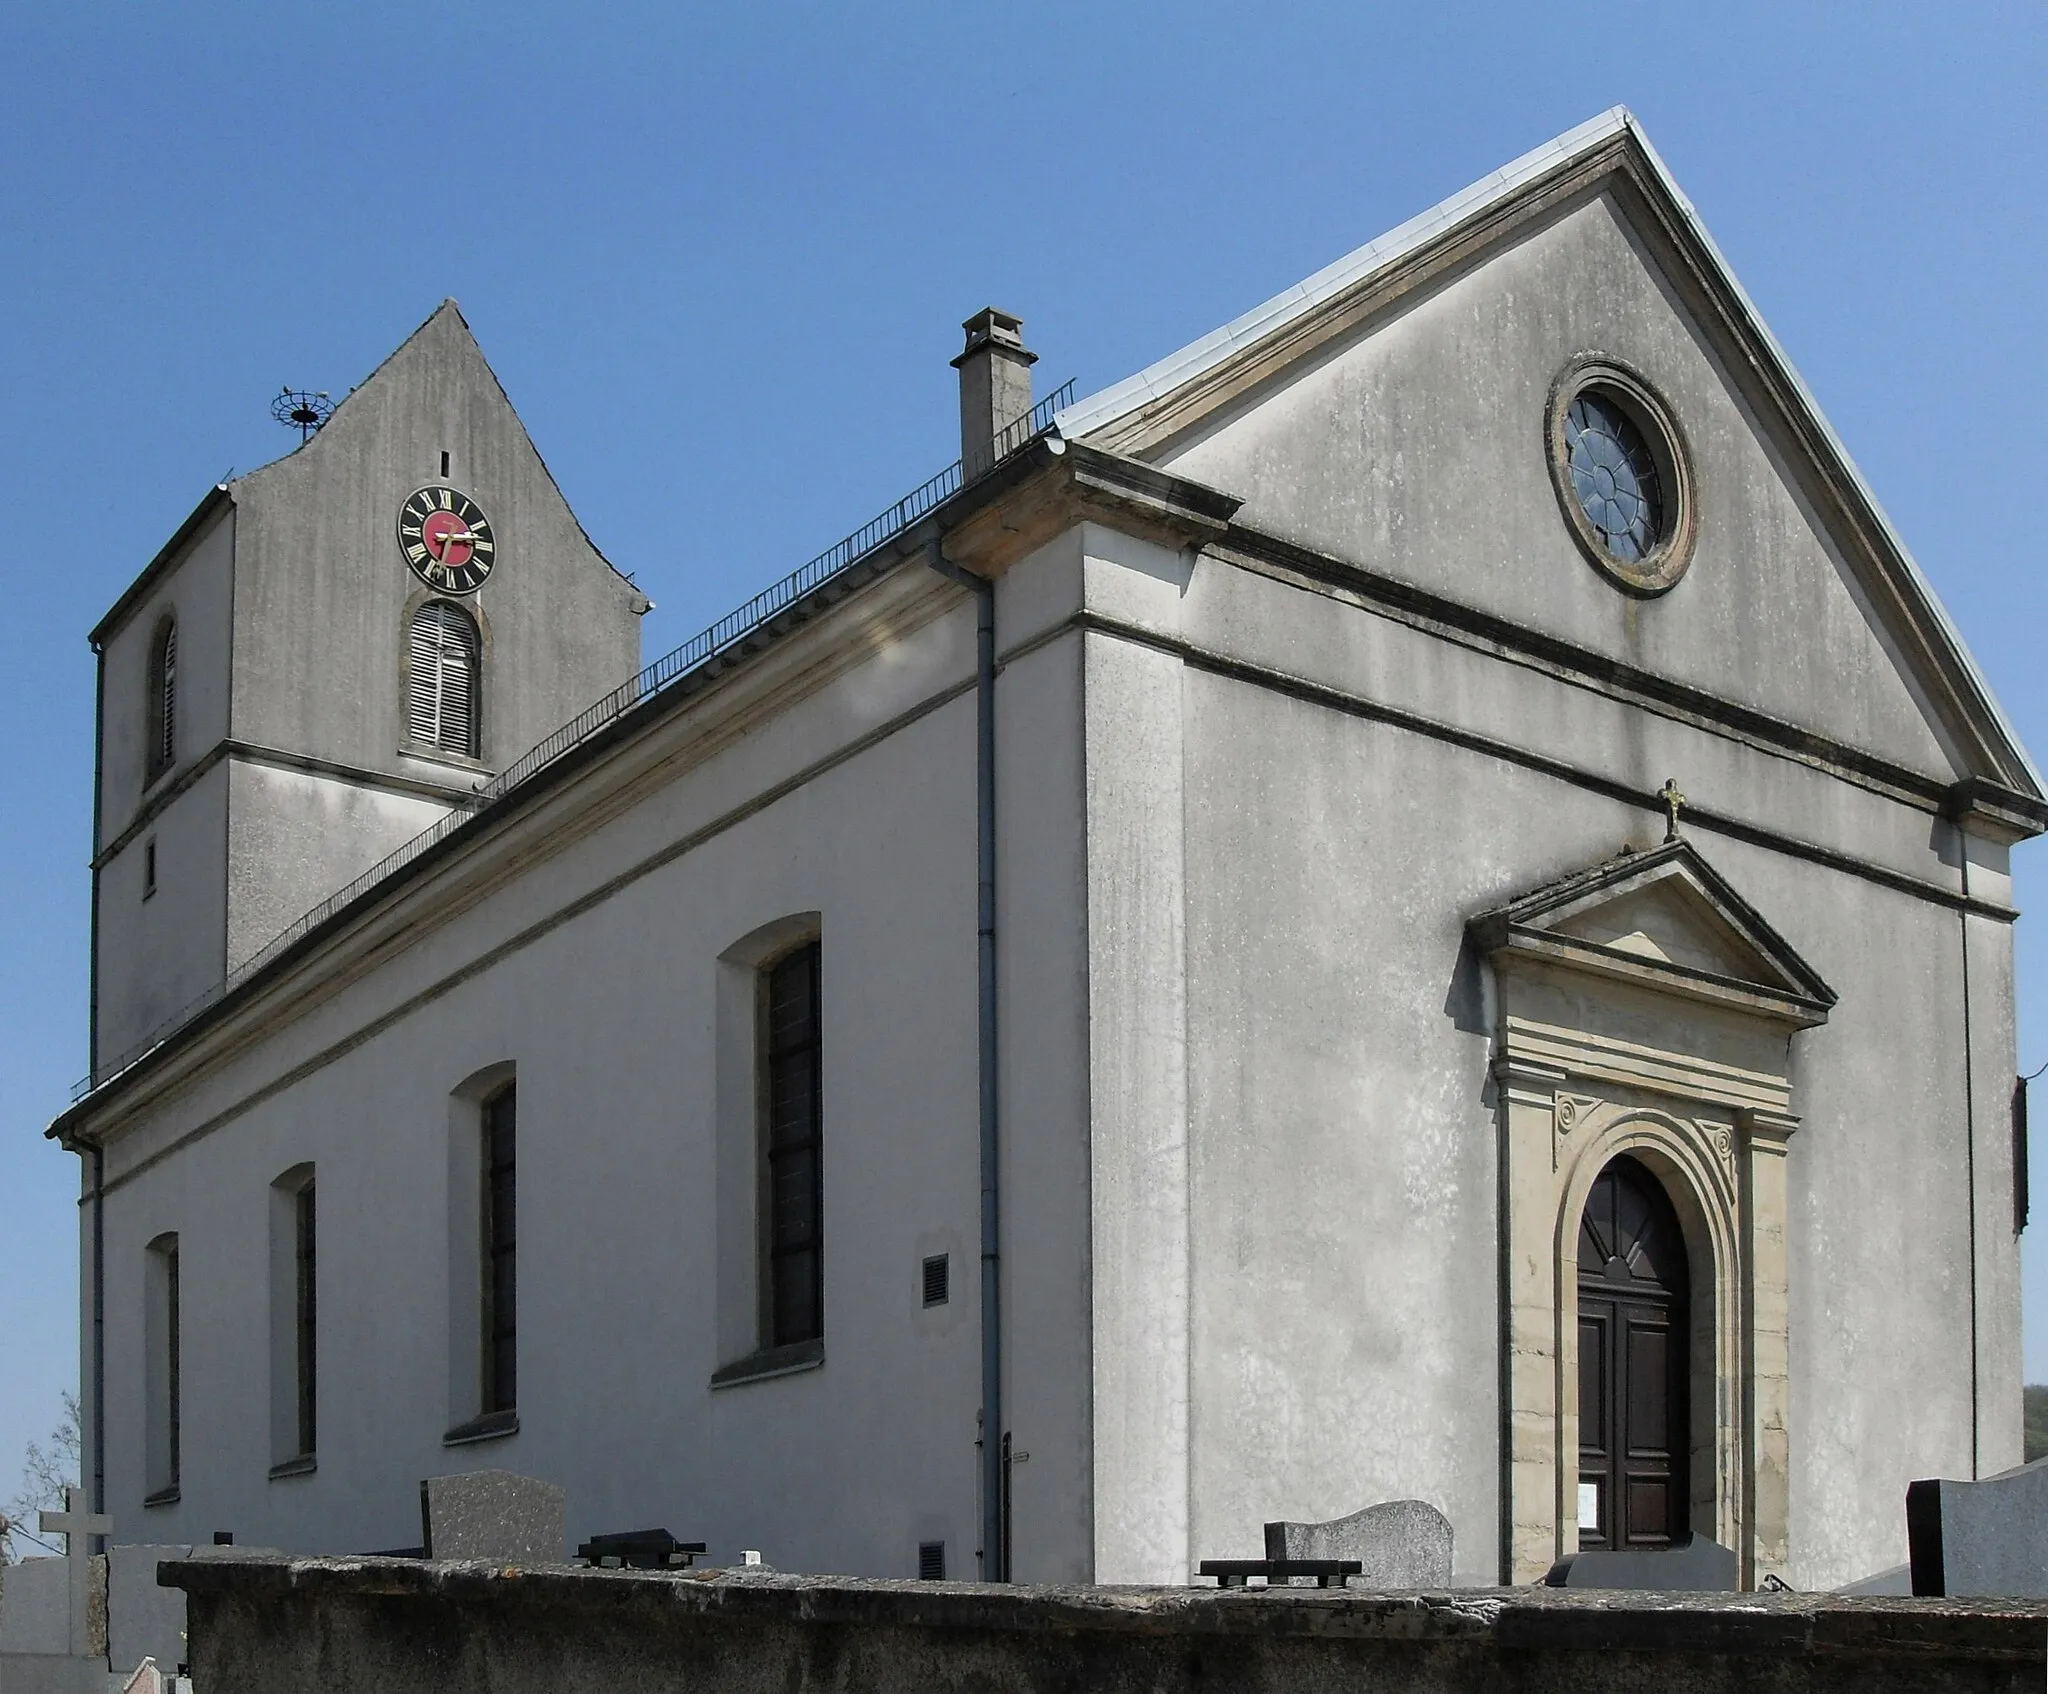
(1614, 475)
(1623, 475)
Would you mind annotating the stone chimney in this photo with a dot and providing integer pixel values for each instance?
(995, 385)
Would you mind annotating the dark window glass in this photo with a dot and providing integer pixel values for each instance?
(1614, 475)
(171, 1385)
(302, 1206)
(795, 1175)
(500, 1239)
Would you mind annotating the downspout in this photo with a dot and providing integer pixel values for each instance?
(96, 1390)
(994, 1531)
(99, 1334)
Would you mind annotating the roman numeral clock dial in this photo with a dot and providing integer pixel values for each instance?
(446, 539)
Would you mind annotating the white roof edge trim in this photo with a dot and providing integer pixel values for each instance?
(1107, 405)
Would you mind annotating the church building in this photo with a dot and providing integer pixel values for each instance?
(1412, 902)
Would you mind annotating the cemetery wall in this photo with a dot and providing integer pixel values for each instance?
(424, 1628)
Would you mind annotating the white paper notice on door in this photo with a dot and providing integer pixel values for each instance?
(1589, 1506)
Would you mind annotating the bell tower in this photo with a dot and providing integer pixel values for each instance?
(329, 655)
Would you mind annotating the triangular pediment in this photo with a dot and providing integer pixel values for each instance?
(1357, 413)
(1665, 919)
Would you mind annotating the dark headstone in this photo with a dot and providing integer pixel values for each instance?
(1981, 1539)
(641, 1549)
(1399, 1544)
(1694, 1566)
(493, 1514)
(1237, 1573)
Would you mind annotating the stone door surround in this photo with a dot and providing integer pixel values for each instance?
(1644, 1008)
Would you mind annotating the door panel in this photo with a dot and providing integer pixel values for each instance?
(1649, 1387)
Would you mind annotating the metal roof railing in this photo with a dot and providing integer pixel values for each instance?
(708, 644)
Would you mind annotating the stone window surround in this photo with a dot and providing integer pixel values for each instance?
(1716, 1135)
(743, 1350)
(1633, 392)
(473, 604)
(470, 1419)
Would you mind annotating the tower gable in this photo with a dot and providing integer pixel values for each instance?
(324, 593)
(310, 650)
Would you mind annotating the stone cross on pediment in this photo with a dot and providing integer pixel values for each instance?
(1672, 799)
(77, 1526)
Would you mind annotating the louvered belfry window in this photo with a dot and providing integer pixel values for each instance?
(442, 692)
(163, 698)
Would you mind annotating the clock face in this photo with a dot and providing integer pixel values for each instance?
(446, 539)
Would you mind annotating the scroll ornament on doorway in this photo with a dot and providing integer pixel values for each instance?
(1570, 1111)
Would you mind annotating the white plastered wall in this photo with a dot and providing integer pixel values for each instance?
(595, 971)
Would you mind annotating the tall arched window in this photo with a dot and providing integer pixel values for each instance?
(443, 693)
(163, 699)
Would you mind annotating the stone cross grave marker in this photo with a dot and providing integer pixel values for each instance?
(71, 1523)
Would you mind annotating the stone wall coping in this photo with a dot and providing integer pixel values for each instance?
(1788, 1624)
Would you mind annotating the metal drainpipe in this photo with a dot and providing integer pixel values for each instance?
(994, 1531)
(97, 1390)
(99, 1333)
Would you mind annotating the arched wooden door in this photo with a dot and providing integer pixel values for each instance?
(1635, 1324)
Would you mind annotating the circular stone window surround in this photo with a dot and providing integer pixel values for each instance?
(1623, 386)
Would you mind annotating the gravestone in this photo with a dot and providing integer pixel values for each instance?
(1981, 1539)
(493, 1514)
(35, 1609)
(144, 1619)
(1398, 1544)
(1894, 1579)
(53, 1612)
(66, 1623)
(1695, 1565)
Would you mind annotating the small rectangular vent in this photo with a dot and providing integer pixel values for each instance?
(938, 1279)
(931, 1555)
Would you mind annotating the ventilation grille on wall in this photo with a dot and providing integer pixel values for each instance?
(931, 1561)
(938, 1280)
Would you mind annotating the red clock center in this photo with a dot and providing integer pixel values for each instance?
(447, 538)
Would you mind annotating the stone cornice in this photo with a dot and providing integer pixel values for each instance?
(1976, 804)
(1076, 483)
(541, 818)
(255, 753)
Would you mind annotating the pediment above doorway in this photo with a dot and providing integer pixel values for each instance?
(1664, 920)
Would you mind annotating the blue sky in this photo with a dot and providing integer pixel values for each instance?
(719, 256)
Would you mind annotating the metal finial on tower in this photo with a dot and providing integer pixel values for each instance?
(298, 409)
